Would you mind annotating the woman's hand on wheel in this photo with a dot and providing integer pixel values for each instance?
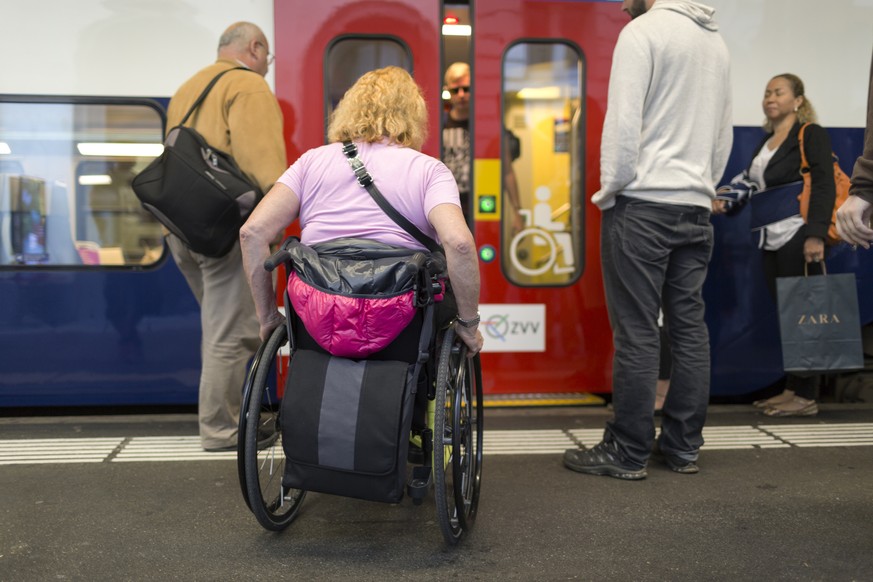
(270, 324)
(472, 337)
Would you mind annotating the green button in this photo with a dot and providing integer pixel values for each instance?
(488, 204)
(487, 253)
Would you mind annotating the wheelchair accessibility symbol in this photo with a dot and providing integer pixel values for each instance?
(541, 231)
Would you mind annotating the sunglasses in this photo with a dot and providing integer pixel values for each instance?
(456, 90)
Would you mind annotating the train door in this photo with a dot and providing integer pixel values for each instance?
(540, 76)
(323, 47)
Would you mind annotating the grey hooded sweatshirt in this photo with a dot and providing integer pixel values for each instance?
(668, 131)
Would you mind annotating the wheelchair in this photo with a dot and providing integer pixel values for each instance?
(405, 418)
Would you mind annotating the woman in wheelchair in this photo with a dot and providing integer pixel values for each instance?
(329, 440)
(385, 116)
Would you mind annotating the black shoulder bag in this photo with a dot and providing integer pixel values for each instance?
(198, 192)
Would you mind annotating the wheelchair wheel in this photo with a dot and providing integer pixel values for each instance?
(262, 467)
(457, 463)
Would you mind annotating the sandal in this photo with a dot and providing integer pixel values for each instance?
(797, 406)
(786, 396)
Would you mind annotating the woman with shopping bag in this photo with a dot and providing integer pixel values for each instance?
(791, 245)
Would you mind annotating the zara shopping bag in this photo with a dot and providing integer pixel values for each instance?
(819, 323)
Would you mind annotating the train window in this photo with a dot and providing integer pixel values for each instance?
(542, 160)
(66, 165)
(350, 57)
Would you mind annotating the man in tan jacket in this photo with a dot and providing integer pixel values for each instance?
(241, 117)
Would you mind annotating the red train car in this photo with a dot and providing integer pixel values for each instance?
(540, 73)
(98, 314)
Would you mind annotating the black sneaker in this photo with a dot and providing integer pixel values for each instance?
(684, 467)
(266, 438)
(602, 459)
(675, 464)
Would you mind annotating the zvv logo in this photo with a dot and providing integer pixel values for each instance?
(513, 327)
(500, 326)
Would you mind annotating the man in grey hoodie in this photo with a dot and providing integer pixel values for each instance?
(666, 141)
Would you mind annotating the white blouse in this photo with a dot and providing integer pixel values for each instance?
(777, 234)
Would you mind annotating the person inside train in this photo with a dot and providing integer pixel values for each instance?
(241, 117)
(456, 130)
(457, 149)
(791, 246)
(385, 116)
(853, 217)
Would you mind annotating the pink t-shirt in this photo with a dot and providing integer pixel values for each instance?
(333, 205)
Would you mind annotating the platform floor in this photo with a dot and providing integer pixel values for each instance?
(132, 497)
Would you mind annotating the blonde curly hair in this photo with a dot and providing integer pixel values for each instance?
(385, 103)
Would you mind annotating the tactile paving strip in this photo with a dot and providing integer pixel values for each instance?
(495, 442)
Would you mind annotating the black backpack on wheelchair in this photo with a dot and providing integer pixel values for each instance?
(349, 424)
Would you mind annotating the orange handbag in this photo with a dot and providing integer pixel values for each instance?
(842, 185)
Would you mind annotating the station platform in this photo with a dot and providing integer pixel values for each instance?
(133, 497)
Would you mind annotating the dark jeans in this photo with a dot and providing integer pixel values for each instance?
(656, 255)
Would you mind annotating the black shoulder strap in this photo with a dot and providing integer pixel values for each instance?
(365, 180)
(207, 90)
